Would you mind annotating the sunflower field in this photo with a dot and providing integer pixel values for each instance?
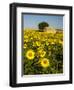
(42, 52)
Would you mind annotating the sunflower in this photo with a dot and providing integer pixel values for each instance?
(44, 62)
(38, 43)
(30, 54)
(42, 53)
(25, 46)
(61, 42)
(47, 43)
(26, 40)
(25, 36)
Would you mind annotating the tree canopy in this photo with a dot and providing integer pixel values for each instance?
(42, 26)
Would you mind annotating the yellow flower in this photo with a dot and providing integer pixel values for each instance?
(55, 40)
(41, 53)
(26, 40)
(31, 38)
(35, 36)
(30, 54)
(25, 46)
(34, 44)
(52, 43)
(44, 62)
(25, 36)
(61, 42)
(47, 43)
(38, 43)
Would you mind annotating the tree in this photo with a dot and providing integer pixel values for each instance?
(42, 26)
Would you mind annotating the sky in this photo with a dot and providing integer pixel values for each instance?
(32, 20)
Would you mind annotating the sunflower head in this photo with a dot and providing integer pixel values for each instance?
(38, 43)
(41, 53)
(25, 46)
(44, 62)
(30, 54)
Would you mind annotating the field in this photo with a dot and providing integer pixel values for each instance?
(42, 52)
